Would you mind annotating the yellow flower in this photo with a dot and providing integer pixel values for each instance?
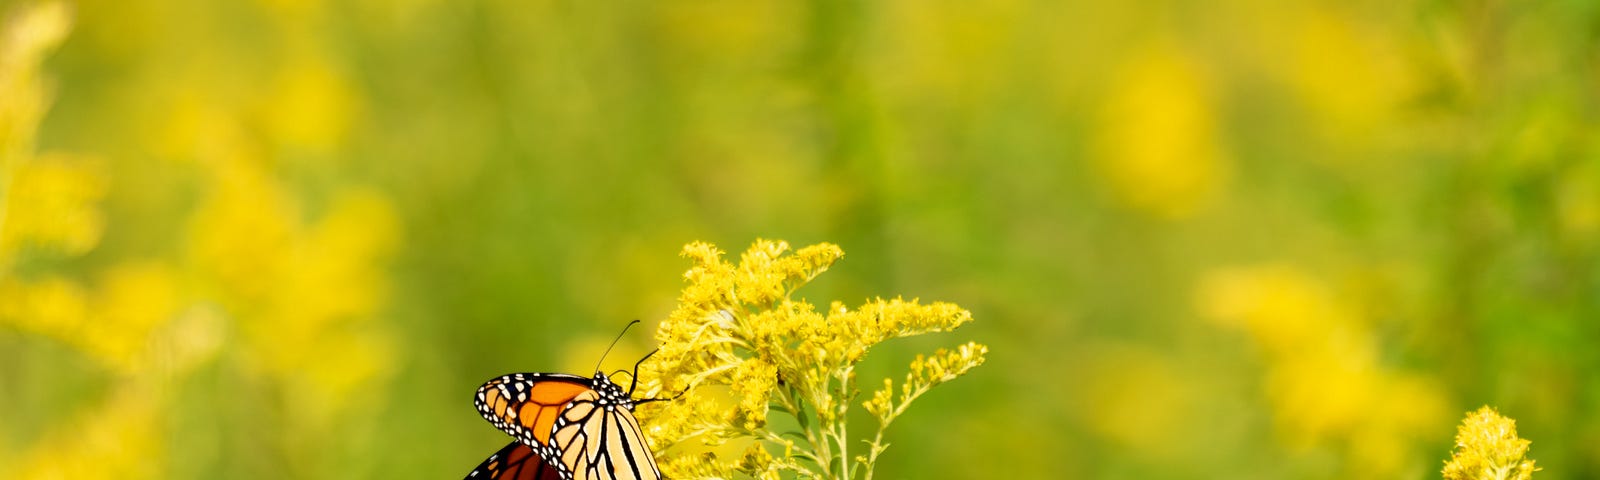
(752, 384)
(1487, 448)
(1324, 377)
(1159, 148)
(52, 306)
(312, 105)
(121, 438)
(134, 299)
(25, 39)
(758, 463)
(44, 202)
(738, 330)
(1344, 70)
(304, 292)
(52, 204)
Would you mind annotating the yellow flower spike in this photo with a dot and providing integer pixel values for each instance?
(1487, 448)
(758, 463)
(53, 202)
(879, 405)
(51, 306)
(738, 330)
(27, 35)
(752, 385)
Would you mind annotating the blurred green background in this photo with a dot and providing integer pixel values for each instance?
(1204, 239)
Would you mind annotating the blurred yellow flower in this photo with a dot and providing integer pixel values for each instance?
(122, 438)
(50, 306)
(1158, 146)
(241, 232)
(192, 124)
(46, 203)
(304, 294)
(1324, 378)
(1488, 448)
(54, 205)
(27, 35)
(50, 203)
(133, 300)
(1346, 71)
(311, 106)
(302, 280)
(1135, 398)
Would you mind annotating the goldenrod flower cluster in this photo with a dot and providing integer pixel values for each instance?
(1487, 448)
(740, 346)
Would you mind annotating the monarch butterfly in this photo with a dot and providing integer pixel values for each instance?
(566, 426)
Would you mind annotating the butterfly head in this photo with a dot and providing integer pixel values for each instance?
(610, 391)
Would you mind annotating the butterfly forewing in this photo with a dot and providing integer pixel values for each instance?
(526, 405)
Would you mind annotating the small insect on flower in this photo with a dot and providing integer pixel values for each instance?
(566, 427)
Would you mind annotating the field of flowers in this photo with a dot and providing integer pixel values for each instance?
(1184, 239)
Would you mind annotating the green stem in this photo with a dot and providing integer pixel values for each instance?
(845, 469)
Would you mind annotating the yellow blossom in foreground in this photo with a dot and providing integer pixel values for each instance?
(1487, 448)
(740, 346)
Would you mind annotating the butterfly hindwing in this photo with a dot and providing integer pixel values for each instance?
(514, 462)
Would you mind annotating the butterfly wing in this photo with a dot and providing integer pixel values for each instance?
(598, 440)
(578, 432)
(514, 462)
(526, 405)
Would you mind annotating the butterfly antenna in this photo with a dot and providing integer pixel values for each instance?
(635, 382)
(613, 344)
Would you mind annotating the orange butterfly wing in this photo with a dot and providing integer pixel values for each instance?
(575, 430)
(514, 462)
(526, 405)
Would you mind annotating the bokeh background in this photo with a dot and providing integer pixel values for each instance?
(1204, 239)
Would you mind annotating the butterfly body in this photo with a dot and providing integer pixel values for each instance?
(578, 428)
